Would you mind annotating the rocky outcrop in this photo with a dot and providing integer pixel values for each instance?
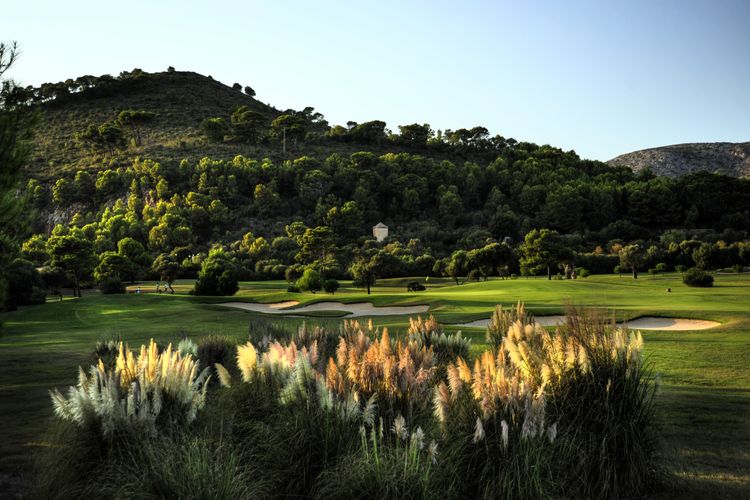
(726, 158)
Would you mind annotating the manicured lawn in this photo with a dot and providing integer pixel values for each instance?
(706, 374)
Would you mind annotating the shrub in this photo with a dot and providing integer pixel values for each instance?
(111, 286)
(330, 286)
(263, 331)
(293, 273)
(310, 281)
(680, 268)
(214, 349)
(24, 284)
(474, 275)
(293, 289)
(583, 272)
(140, 393)
(601, 393)
(697, 277)
(428, 333)
(501, 320)
(218, 275)
(661, 267)
(106, 351)
(186, 468)
(494, 433)
(388, 464)
(187, 347)
(652, 271)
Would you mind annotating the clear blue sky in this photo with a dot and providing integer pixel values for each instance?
(600, 77)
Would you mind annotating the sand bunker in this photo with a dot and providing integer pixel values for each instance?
(353, 310)
(642, 323)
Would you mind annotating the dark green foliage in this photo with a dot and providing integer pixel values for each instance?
(111, 284)
(25, 286)
(488, 468)
(80, 464)
(310, 281)
(75, 254)
(218, 275)
(135, 120)
(364, 273)
(214, 349)
(609, 430)
(330, 286)
(293, 289)
(166, 267)
(215, 129)
(16, 122)
(697, 277)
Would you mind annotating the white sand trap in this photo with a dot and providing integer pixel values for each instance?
(356, 310)
(542, 320)
(642, 323)
(667, 324)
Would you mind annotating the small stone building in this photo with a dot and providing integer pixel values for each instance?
(380, 231)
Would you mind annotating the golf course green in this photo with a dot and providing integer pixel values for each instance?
(705, 374)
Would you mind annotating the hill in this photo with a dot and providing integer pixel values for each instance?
(181, 100)
(674, 161)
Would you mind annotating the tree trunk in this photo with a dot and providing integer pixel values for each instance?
(635, 274)
(76, 287)
(549, 273)
(368, 288)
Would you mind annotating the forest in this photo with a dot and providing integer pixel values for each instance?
(458, 203)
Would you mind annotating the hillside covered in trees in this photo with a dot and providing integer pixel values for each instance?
(172, 174)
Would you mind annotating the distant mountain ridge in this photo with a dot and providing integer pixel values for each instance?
(726, 158)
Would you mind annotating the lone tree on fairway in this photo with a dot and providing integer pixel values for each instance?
(632, 257)
(363, 272)
(542, 249)
(167, 268)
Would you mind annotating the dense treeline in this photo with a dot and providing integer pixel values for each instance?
(242, 219)
(458, 203)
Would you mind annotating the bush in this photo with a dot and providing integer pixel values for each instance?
(293, 289)
(583, 272)
(218, 275)
(697, 277)
(111, 286)
(310, 281)
(428, 333)
(24, 284)
(385, 466)
(661, 267)
(474, 275)
(293, 273)
(138, 395)
(214, 349)
(330, 286)
(653, 271)
(680, 268)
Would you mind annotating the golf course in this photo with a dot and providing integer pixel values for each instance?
(703, 400)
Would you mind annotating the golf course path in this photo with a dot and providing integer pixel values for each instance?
(355, 310)
(642, 323)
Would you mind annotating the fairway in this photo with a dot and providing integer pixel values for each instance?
(705, 377)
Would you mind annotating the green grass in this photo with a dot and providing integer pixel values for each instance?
(705, 395)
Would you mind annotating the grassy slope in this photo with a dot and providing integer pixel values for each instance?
(181, 101)
(706, 396)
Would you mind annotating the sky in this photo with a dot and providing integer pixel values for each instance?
(600, 77)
